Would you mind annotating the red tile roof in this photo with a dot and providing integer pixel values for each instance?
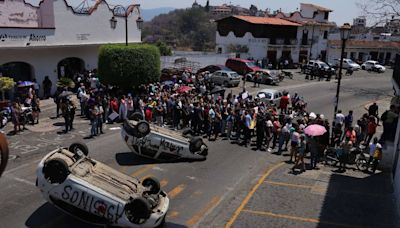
(320, 8)
(267, 20)
(366, 44)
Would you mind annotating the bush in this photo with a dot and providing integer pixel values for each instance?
(129, 66)
(165, 50)
(65, 82)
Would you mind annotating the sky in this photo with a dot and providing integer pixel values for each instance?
(343, 10)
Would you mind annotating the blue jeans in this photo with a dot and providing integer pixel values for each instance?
(93, 122)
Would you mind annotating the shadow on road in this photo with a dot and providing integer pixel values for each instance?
(49, 216)
(130, 159)
(359, 202)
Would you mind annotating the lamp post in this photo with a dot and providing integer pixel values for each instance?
(124, 11)
(344, 36)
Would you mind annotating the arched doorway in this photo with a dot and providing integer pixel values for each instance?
(69, 67)
(20, 71)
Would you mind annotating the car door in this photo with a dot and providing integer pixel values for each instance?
(224, 78)
(215, 77)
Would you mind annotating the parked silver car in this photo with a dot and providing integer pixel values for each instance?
(269, 96)
(225, 78)
(151, 141)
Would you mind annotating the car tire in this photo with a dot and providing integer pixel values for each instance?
(195, 144)
(77, 146)
(138, 210)
(142, 128)
(154, 185)
(187, 132)
(129, 128)
(56, 171)
(226, 84)
(363, 67)
(137, 116)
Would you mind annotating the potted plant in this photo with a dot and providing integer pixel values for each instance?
(6, 84)
(65, 82)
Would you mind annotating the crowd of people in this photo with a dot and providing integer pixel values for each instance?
(215, 115)
(239, 118)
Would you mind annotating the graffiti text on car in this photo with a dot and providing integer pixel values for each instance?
(170, 146)
(92, 204)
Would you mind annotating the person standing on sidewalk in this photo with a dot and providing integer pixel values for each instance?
(65, 112)
(72, 109)
(300, 155)
(377, 157)
(373, 111)
(99, 127)
(47, 87)
(371, 129)
(93, 119)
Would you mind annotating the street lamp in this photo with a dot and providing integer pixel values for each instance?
(344, 36)
(123, 11)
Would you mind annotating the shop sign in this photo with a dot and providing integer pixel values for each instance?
(13, 37)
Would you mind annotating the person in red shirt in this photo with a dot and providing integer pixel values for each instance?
(114, 107)
(371, 129)
(284, 103)
(148, 114)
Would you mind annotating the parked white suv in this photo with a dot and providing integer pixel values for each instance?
(151, 141)
(373, 65)
(96, 193)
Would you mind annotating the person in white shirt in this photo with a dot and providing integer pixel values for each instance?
(372, 148)
(339, 119)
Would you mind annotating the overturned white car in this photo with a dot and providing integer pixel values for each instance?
(96, 193)
(156, 142)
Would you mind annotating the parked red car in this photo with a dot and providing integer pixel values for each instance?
(242, 66)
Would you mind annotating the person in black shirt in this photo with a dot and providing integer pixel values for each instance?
(373, 111)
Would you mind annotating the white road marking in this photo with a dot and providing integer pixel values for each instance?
(24, 181)
(114, 128)
(16, 168)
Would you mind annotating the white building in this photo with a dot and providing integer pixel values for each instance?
(296, 36)
(54, 39)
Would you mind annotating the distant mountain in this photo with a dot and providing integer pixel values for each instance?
(149, 14)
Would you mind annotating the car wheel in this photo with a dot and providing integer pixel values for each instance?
(203, 150)
(56, 171)
(363, 67)
(4, 153)
(129, 128)
(187, 132)
(77, 146)
(138, 210)
(195, 144)
(143, 128)
(226, 84)
(153, 184)
(136, 116)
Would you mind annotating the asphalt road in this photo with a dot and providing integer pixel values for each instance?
(199, 191)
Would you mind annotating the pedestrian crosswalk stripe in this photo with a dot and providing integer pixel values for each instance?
(142, 170)
(176, 191)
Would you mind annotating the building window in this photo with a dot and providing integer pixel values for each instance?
(219, 51)
(315, 14)
(325, 35)
(326, 16)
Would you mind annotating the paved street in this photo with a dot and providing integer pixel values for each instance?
(235, 185)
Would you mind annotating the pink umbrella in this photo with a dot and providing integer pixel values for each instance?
(315, 130)
(184, 89)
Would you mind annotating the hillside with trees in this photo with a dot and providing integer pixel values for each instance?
(182, 29)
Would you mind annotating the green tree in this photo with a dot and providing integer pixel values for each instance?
(129, 66)
(6, 83)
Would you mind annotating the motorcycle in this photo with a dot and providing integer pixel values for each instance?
(26, 115)
(355, 157)
(5, 116)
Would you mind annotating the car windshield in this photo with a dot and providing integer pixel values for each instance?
(265, 95)
(235, 75)
(251, 64)
(324, 65)
(350, 61)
